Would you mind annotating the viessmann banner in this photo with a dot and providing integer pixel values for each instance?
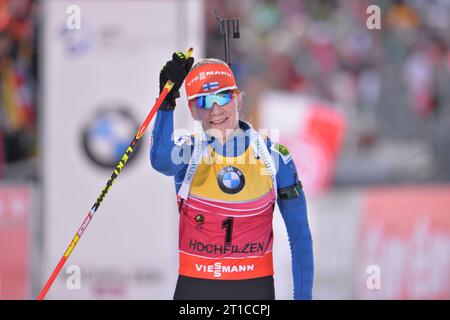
(382, 243)
(405, 231)
(100, 81)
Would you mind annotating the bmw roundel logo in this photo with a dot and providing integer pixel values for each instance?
(107, 135)
(231, 180)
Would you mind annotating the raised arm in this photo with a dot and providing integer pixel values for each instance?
(163, 151)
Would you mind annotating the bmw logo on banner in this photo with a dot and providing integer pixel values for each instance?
(108, 134)
(231, 180)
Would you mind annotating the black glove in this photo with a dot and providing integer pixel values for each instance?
(175, 70)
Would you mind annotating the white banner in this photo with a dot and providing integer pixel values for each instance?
(101, 64)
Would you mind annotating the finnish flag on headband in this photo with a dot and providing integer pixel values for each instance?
(210, 86)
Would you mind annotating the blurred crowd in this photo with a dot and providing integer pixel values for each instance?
(18, 91)
(391, 84)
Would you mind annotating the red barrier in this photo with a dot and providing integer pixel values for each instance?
(15, 206)
(405, 231)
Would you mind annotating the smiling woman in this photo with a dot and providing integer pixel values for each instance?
(217, 102)
(227, 185)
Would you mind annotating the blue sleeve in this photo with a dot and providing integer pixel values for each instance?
(167, 157)
(294, 213)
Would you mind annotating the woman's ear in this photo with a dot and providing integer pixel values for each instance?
(239, 105)
(238, 98)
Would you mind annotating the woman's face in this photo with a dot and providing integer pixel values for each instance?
(219, 121)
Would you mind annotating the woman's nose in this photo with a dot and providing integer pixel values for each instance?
(216, 108)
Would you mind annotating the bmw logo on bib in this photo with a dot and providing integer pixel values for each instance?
(231, 180)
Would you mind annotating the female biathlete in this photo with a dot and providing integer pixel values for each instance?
(227, 180)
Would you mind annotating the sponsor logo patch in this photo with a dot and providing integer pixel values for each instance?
(218, 268)
(282, 151)
(231, 180)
